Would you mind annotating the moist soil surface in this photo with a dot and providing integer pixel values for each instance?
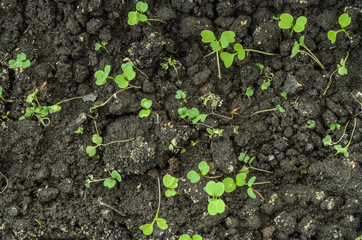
(311, 192)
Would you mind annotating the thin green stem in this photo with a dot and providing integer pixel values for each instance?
(157, 117)
(7, 183)
(259, 169)
(218, 64)
(259, 183)
(156, 20)
(261, 52)
(219, 115)
(1, 97)
(159, 201)
(344, 133)
(118, 141)
(345, 32)
(66, 100)
(312, 56)
(350, 140)
(266, 110)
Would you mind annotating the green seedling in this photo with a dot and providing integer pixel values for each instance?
(246, 159)
(38, 222)
(265, 85)
(344, 150)
(195, 176)
(342, 70)
(181, 95)
(138, 15)
(284, 95)
(98, 46)
(169, 62)
(215, 190)
(335, 126)
(98, 141)
(228, 58)
(277, 108)
(214, 132)
(212, 100)
(261, 66)
(249, 92)
(193, 114)
(2, 98)
(4, 116)
(310, 124)
(296, 50)
(287, 22)
(80, 130)
(174, 148)
(107, 182)
(217, 46)
(359, 238)
(145, 112)
(187, 237)
(20, 62)
(41, 112)
(171, 183)
(122, 80)
(344, 20)
(236, 130)
(147, 229)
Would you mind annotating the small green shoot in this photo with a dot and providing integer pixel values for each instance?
(327, 140)
(187, 237)
(80, 130)
(296, 50)
(249, 92)
(277, 108)
(138, 15)
(122, 80)
(226, 38)
(169, 62)
(38, 222)
(214, 132)
(195, 176)
(261, 66)
(2, 98)
(210, 97)
(173, 147)
(344, 150)
(98, 141)
(171, 183)
(342, 70)
(215, 190)
(181, 95)
(145, 112)
(344, 20)
(310, 124)
(284, 95)
(228, 58)
(335, 126)
(265, 85)
(20, 62)
(98, 46)
(147, 229)
(193, 114)
(287, 22)
(107, 182)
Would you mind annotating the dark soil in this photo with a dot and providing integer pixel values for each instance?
(313, 194)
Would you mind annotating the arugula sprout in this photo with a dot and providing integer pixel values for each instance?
(193, 114)
(213, 132)
(310, 124)
(187, 237)
(342, 70)
(171, 183)
(138, 15)
(215, 190)
(249, 92)
(344, 20)
(145, 112)
(173, 147)
(169, 62)
(284, 95)
(98, 141)
(80, 130)
(261, 66)
(107, 182)
(122, 80)
(334, 126)
(20, 62)
(2, 98)
(265, 85)
(147, 229)
(277, 108)
(344, 150)
(98, 46)
(296, 50)
(181, 95)
(194, 176)
(287, 21)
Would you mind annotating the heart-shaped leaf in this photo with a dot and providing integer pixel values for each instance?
(286, 21)
(101, 76)
(129, 73)
(141, 6)
(240, 50)
(344, 20)
(121, 81)
(229, 35)
(144, 113)
(91, 151)
(193, 176)
(229, 184)
(132, 18)
(332, 35)
(207, 36)
(215, 45)
(97, 139)
(147, 229)
(204, 167)
(146, 103)
(116, 175)
(227, 58)
(109, 182)
(161, 223)
(300, 24)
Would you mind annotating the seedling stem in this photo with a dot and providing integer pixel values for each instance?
(277, 108)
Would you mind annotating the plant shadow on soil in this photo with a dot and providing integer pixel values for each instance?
(314, 194)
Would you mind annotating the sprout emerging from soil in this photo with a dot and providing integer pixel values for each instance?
(103, 44)
(107, 182)
(296, 50)
(138, 15)
(98, 141)
(194, 176)
(20, 62)
(277, 108)
(249, 92)
(344, 20)
(287, 22)
(215, 190)
(171, 183)
(1, 96)
(145, 112)
(342, 70)
(187, 237)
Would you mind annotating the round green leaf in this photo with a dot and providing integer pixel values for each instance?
(344, 20)
(129, 73)
(215, 45)
(229, 35)
(25, 64)
(251, 181)
(204, 167)
(286, 21)
(170, 181)
(97, 139)
(185, 237)
(300, 24)
(229, 184)
(121, 81)
(141, 6)
(91, 151)
(193, 176)
(146, 103)
(192, 113)
(109, 182)
(182, 112)
(161, 223)
(342, 70)
(240, 179)
(227, 58)
(141, 17)
(21, 57)
(219, 189)
(132, 18)
(101, 76)
(196, 237)
(240, 50)
(251, 193)
(210, 188)
(207, 36)
(97, 46)
(147, 229)
(170, 193)
(144, 113)
(216, 206)
(116, 175)
(332, 35)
